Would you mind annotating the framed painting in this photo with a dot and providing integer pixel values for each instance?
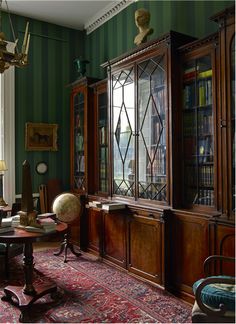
(41, 137)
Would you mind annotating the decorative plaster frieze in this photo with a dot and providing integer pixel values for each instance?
(107, 13)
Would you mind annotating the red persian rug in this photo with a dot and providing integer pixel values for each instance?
(91, 291)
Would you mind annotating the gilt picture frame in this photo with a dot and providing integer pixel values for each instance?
(41, 137)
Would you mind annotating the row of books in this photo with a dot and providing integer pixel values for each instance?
(204, 96)
(157, 161)
(205, 176)
(204, 197)
(158, 132)
(103, 185)
(103, 170)
(192, 73)
(205, 124)
(103, 135)
(107, 205)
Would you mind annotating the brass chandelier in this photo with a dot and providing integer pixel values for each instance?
(12, 58)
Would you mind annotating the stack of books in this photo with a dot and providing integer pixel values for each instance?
(15, 220)
(47, 215)
(97, 204)
(113, 206)
(6, 225)
(47, 225)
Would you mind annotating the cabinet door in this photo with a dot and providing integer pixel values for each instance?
(189, 247)
(102, 138)
(229, 115)
(145, 248)
(139, 130)
(152, 120)
(232, 123)
(78, 179)
(198, 131)
(114, 229)
(226, 111)
(94, 230)
(123, 131)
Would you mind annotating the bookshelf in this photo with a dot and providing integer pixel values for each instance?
(198, 132)
(101, 137)
(171, 158)
(81, 145)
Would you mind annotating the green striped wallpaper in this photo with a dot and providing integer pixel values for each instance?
(117, 35)
(42, 94)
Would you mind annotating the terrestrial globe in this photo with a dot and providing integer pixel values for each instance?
(67, 207)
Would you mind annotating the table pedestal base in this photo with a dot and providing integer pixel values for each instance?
(25, 301)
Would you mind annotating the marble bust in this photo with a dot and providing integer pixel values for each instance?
(142, 19)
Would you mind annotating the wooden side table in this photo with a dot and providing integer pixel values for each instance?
(29, 293)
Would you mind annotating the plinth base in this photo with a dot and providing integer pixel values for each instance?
(24, 301)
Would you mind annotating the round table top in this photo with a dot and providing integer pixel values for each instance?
(21, 236)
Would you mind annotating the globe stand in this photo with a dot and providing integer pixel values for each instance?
(65, 245)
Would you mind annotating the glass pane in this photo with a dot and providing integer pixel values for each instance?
(198, 141)
(233, 119)
(152, 130)
(79, 176)
(103, 156)
(123, 133)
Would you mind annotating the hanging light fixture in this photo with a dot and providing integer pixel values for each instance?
(14, 57)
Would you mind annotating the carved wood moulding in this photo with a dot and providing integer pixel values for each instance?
(103, 16)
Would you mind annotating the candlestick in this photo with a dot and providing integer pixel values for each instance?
(25, 37)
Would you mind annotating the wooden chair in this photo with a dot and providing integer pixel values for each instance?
(47, 193)
(215, 295)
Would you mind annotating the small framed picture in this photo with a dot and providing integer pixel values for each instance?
(41, 137)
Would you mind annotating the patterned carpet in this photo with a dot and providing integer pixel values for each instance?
(93, 292)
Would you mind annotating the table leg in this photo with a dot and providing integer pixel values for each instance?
(28, 294)
(28, 269)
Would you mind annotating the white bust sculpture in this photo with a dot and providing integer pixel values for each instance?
(142, 19)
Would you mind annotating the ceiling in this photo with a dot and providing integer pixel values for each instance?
(73, 14)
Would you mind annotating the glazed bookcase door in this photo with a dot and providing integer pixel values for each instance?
(102, 142)
(139, 130)
(78, 163)
(123, 134)
(232, 100)
(198, 132)
(151, 130)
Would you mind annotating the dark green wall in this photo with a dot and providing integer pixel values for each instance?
(41, 91)
(117, 35)
(42, 95)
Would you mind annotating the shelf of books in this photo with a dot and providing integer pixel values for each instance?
(79, 174)
(198, 138)
(102, 142)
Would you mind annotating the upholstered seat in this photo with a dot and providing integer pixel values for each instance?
(8, 251)
(215, 297)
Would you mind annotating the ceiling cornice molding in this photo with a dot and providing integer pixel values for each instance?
(107, 13)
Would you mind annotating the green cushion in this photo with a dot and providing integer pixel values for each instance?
(215, 294)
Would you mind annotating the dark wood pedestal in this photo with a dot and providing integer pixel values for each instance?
(29, 293)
